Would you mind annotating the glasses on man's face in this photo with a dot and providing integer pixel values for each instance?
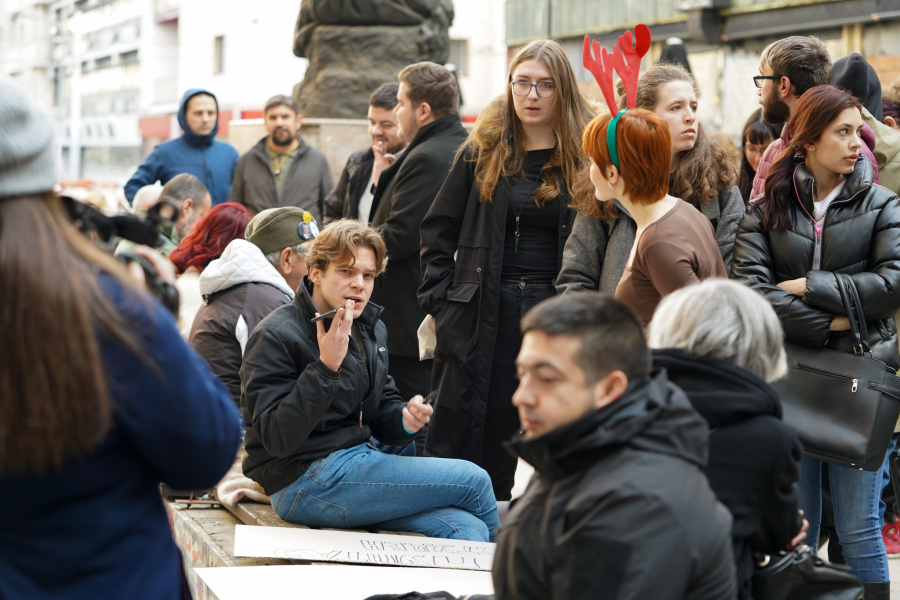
(758, 79)
(523, 88)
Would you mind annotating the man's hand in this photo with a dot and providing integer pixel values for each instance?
(416, 414)
(796, 287)
(333, 345)
(165, 270)
(839, 324)
(801, 535)
(382, 161)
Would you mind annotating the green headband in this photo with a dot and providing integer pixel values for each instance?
(611, 139)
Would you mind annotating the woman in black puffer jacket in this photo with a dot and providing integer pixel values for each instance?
(821, 213)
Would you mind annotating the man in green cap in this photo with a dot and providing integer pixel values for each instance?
(253, 277)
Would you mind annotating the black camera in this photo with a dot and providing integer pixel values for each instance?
(104, 230)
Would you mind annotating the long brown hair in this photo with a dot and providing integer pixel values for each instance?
(497, 144)
(706, 168)
(54, 401)
(816, 109)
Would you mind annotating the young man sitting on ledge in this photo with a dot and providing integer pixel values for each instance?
(312, 394)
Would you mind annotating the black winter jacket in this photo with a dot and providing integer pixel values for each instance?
(463, 295)
(297, 410)
(619, 508)
(343, 201)
(754, 457)
(860, 238)
(405, 192)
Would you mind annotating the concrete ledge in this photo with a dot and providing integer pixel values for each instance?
(205, 537)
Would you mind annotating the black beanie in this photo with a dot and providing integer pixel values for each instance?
(858, 77)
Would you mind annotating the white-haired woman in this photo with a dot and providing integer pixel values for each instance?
(721, 343)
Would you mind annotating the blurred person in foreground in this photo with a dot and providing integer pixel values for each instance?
(100, 399)
(257, 273)
(721, 343)
(205, 243)
(619, 507)
(313, 393)
(352, 197)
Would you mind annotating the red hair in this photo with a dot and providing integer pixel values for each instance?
(645, 156)
(208, 238)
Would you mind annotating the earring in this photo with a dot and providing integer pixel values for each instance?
(611, 186)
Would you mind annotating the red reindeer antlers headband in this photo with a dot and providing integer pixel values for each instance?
(602, 63)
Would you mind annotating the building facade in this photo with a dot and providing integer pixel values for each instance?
(723, 38)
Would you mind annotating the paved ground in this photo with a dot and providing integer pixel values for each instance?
(524, 472)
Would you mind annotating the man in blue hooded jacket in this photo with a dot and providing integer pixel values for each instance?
(196, 152)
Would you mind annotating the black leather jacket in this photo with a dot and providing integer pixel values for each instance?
(297, 410)
(860, 238)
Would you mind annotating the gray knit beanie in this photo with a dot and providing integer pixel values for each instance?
(27, 145)
(275, 229)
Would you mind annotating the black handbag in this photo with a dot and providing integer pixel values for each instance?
(801, 575)
(843, 406)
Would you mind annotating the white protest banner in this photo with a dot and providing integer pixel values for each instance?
(337, 582)
(365, 548)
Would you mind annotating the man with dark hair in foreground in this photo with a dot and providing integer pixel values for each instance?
(619, 507)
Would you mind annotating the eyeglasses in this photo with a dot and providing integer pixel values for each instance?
(758, 79)
(523, 88)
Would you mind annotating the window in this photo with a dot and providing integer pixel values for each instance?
(219, 55)
(112, 132)
(128, 58)
(459, 56)
(103, 63)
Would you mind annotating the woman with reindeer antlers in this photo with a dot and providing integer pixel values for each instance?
(700, 173)
(630, 154)
(504, 211)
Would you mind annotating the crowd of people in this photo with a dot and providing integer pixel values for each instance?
(604, 294)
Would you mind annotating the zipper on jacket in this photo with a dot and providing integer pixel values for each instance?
(815, 225)
(478, 312)
(853, 380)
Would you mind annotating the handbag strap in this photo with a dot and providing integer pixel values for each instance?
(848, 310)
(860, 315)
(855, 314)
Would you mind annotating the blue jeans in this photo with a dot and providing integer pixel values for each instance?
(359, 487)
(856, 495)
(886, 474)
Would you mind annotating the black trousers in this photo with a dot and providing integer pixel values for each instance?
(412, 376)
(501, 419)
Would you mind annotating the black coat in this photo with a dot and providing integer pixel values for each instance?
(464, 298)
(297, 410)
(405, 192)
(619, 508)
(754, 457)
(860, 238)
(343, 201)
